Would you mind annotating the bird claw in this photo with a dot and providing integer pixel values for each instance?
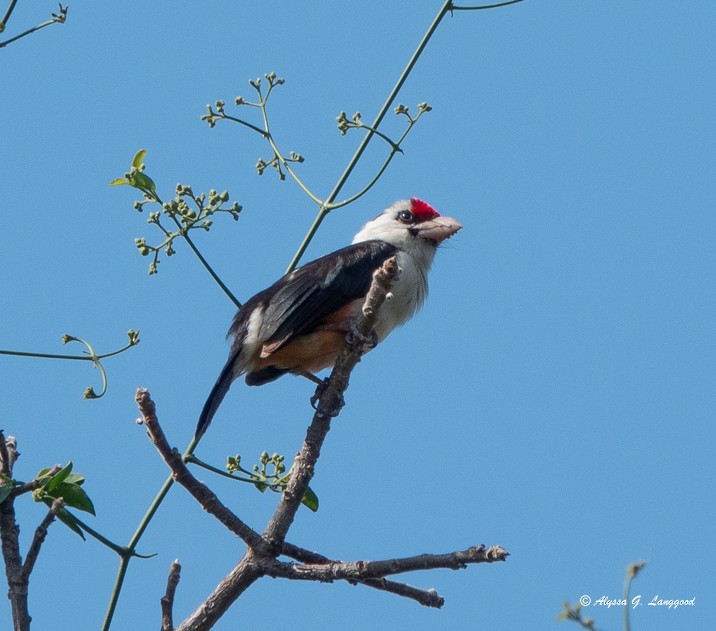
(320, 391)
(354, 336)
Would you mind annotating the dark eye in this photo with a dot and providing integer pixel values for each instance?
(406, 216)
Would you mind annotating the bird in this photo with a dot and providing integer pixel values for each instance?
(299, 324)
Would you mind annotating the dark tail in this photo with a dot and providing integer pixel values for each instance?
(216, 396)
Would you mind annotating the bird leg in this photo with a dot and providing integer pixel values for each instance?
(311, 377)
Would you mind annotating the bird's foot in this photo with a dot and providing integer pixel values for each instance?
(320, 391)
(354, 336)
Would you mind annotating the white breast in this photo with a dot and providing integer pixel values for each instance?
(408, 294)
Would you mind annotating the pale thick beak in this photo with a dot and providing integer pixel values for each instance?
(438, 229)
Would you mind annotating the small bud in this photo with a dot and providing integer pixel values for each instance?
(239, 100)
(343, 124)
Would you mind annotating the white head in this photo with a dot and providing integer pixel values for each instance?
(412, 226)
(416, 229)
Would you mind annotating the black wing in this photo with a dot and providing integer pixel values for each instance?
(296, 303)
(300, 300)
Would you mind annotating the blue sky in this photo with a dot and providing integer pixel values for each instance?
(555, 395)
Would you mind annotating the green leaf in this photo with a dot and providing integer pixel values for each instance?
(143, 182)
(59, 478)
(75, 478)
(310, 499)
(139, 158)
(118, 182)
(74, 496)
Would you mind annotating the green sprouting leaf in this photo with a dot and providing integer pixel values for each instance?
(59, 478)
(139, 158)
(74, 496)
(310, 499)
(118, 182)
(144, 182)
(75, 478)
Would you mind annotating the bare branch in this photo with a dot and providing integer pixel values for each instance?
(183, 476)
(8, 454)
(359, 570)
(39, 538)
(337, 571)
(10, 544)
(427, 597)
(329, 406)
(168, 598)
(261, 557)
(226, 592)
(4, 456)
(249, 568)
(372, 573)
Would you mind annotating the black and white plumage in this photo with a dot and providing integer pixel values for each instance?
(299, 324)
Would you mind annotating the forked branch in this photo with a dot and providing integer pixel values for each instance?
(261, 557)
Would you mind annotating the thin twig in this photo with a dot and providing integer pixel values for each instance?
(480, 7)
(39, 538)
(360, 570)
(29, 487)
(326, 206)
(168, 598)
(56, 19)
(426, 597)
(206, 498)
